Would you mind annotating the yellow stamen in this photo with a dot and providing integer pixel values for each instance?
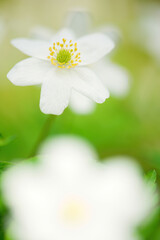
(52, 61)
(75, 64)
(64, 54)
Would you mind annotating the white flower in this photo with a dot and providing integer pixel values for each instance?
(148, 28)
(70, 195)
(61, 65)
(2, 30)
(115, 78)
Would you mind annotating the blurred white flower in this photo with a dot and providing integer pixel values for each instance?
(61, 65)
(2, 30)
(80, 21)
(70, 195)
(148, 27)
(112, 31)
(114, 77)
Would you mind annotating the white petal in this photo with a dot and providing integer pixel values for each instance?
(55, 92)
(63, 33)
(114, 77)
(32, 47)
(30, 71)
(85, 81)
(93, 47)
(81, 104)
(125, 189)
(72, 157)
(79, 21)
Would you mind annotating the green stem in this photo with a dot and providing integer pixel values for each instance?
(43, 134)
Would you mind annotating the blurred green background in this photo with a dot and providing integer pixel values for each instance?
(129, 126)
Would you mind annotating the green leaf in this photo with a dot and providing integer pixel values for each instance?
(4, 165)
(151, 178)
(150, 229)
(5, 140)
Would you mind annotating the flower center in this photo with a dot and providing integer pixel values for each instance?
(73, 211)
(64, 54)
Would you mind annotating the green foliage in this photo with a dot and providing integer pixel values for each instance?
(5, 140)
(151, 178)
(150, 228)
(4, 165)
